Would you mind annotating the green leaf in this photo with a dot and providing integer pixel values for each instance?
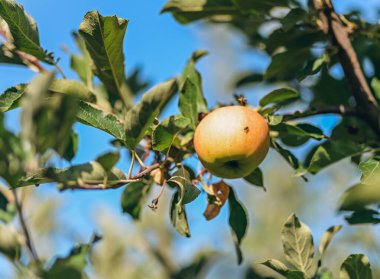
(277, 266)
(313, 67)
(73, 88)
(95, 117)
(178, 216)
(188, 104)
(370, 172)
(186, 11)
(327, 237)
(166, 132)
(281, 70)
(11, 242)
(292, 18)
(238, 222)
(326, 274)
(8, 56)
(298, 244)
(359, 196)
(289, 157)
(46, 121)
(327, 83)
(72, 147)
(141, 116)
(356, 266)
(23, 29)
(256, 178)
(108, 160)
(12, 156)
(375, 84)
(331, 152)
(191, 86)
(135, 82)
(187, 190)
(72, 266)
(10, 99)
(261, 5)
(297, 134)
(134, 196)
(82, 64)
(274, 120)
(364, 216)
(104, 41)
(250, 78)
(193, 270)
(279, 96)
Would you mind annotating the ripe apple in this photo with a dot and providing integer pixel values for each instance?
(232, 141)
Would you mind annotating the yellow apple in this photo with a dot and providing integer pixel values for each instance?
(232, 141)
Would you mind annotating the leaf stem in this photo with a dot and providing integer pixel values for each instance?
(132, 163)
(140, 161)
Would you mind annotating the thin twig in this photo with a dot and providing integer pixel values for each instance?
(28, 240)
(141, 162)
(131, 166)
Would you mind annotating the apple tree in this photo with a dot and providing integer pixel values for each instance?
(304, 42)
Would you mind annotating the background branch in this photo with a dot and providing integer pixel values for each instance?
(332, 25)
(28, 240)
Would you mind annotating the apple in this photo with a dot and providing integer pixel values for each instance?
(232, 141)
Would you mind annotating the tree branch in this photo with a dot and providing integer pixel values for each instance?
(134, 178)
(331, 24)
(28, 240)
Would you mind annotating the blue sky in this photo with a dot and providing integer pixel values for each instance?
(156, 43)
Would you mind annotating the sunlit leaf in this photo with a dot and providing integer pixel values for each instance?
(95, 117)
(11, 97)
(141, 116)
(327, 237)
(277, 266)
(73, 88)
(104, 38)
(23, 29)
(165, 133)
(298, 244)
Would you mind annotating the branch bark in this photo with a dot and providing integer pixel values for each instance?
(331, 25)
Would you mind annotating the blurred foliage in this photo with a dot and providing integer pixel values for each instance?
(302, 47)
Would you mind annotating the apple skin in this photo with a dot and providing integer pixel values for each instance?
(232, 141)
